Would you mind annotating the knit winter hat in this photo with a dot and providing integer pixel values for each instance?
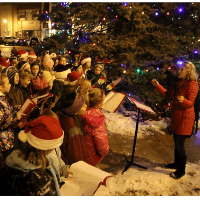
(76, 106)
(21, 53)
(4, 61)
(85, 59)
(47, 61)
(9, 71)
(43, 133)
(32, 54)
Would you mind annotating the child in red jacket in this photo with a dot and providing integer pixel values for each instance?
(94, 126)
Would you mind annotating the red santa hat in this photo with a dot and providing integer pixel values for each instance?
(62, 71)
(4, 61)
(85, 59)
(32, 54)
(72, 78)
(43, 133)
(21, 53)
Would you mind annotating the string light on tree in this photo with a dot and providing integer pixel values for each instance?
(138, 71)
(180, 10)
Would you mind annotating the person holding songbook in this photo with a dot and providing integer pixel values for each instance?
(8, 116)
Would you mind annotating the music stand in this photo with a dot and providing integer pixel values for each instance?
(139, 106)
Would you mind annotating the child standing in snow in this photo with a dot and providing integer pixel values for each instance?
(94, 126)
(8, 115)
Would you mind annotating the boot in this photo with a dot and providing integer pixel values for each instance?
(174, 164)
(181, 162)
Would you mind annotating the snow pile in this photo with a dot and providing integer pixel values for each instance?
(117, 123)
(152, 182)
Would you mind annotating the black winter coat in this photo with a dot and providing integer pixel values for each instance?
(36, 182)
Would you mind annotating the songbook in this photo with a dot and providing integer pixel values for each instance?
(115, 82)
(26, 107)
(113, 100)
(85, 180)
(42, 96)
(141, 106)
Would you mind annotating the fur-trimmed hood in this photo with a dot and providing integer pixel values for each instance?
(15, 162)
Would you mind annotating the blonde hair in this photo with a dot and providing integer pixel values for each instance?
(83, 85)
(191, 71)
(2, 79)
(25, 73)
(95, 96)
(33, 155)
(50, 113)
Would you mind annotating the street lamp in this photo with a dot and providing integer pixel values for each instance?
(5, 21)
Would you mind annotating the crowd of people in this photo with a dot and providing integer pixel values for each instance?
(68, 124)
(65, 127)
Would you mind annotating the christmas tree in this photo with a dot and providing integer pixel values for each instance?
(145, 40)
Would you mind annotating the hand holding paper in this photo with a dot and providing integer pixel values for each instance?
(19, 115)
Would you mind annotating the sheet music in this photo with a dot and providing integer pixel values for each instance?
(141, 106)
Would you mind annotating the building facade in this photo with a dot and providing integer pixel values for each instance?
(21, 20)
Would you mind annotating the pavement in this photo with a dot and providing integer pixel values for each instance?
(156, 149)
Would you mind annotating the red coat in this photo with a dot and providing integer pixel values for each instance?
(96, 138)
(74, 147)
(182, 114)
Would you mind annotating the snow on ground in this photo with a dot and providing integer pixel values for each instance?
(124, 123)
(152, 182)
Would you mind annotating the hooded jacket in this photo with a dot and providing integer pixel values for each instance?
(96, 138)
(22, 178)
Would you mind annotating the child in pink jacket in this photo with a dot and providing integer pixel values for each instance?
(94, 126)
